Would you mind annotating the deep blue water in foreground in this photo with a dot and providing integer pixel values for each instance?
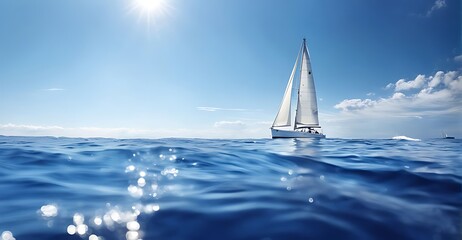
(56, 188)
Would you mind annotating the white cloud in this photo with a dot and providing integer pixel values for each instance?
(437, 5)
(221, 129)
(242, 129)
(265, 123)
(229, 124)
(434, 101)
(441, 91)
(402, 84)
(434, 81)
(371, 94)
(449, 76)
(58, 131)
(54, 89)
(398, 95)
(458, 58)
(215, 109)
(354, 104)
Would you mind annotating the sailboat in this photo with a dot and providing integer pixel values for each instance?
(306, 122)
(445, 136)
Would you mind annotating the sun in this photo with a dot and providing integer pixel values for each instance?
(150, 9)
(149, 6)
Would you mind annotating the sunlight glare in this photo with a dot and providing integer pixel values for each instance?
(149, 5)
(150, 9)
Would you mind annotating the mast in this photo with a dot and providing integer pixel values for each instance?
(307, 107)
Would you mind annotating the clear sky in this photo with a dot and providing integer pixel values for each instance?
(218, 68)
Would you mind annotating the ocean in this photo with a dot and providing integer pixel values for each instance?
(76, 188)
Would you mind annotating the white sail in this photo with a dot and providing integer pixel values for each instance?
(307, 106)
(283, 117)
(306, 116)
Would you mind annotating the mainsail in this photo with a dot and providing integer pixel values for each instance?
(283, 117)
(307, 106)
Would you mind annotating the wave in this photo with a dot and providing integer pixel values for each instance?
(229, 189)
(405, 138)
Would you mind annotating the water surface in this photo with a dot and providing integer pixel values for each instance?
(68, 188)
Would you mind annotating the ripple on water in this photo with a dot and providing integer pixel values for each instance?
(229, 189)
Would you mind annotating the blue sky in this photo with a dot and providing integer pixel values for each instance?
(218, 69)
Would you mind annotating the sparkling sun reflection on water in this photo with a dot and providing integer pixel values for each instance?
(144, 185)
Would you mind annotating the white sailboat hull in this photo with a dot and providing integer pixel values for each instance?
(279, 133)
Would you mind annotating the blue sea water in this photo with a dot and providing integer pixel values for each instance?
(73, 188)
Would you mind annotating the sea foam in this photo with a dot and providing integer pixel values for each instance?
(405, 138)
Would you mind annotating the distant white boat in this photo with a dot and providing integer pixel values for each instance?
(445, 136)
(306, 122)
